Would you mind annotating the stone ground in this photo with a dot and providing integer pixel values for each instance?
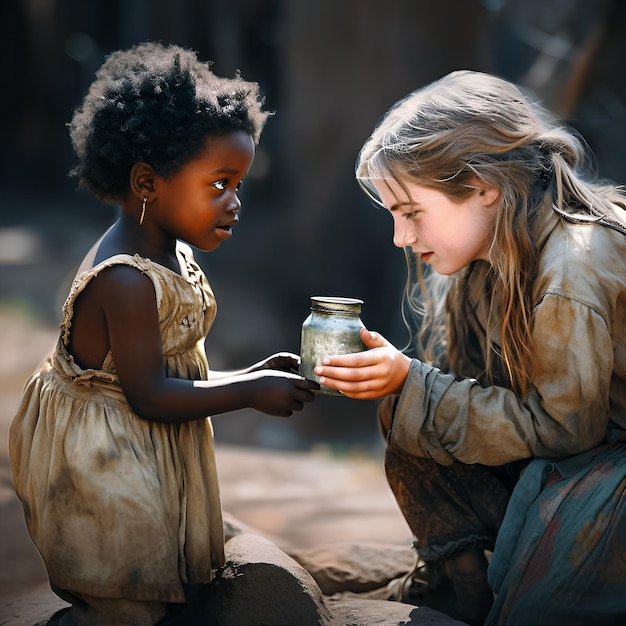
(299, 500)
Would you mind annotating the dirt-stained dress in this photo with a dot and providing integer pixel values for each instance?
(120, 506)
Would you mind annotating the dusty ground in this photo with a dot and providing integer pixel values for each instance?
(297, 499)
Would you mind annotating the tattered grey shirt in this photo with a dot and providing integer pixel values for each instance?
(577, 397)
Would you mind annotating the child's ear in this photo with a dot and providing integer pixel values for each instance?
(488, 194)
(142, 180)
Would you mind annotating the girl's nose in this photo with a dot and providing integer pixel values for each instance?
(403, 233)
(234, 204)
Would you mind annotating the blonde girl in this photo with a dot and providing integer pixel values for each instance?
(521, 296)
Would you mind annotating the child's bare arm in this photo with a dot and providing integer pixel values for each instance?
(128, 302)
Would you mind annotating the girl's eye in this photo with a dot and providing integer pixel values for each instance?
(222, 185)
(411, 215)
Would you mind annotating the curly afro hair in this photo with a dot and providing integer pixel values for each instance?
(156, 104)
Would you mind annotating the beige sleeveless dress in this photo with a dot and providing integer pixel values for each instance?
(120, 506)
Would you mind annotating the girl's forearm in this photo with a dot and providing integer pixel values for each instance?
(179, 400)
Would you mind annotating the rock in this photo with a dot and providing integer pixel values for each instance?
(261, 584)
(34, 607)
(355, 567)
(364, 612)
(341, 566)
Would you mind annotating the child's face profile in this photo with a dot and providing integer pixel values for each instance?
(445, 234)
(199, 203)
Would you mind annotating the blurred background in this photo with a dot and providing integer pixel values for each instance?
(329, 69)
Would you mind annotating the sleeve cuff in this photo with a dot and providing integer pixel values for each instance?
(412, 426)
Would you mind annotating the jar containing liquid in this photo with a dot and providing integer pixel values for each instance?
(333, 327)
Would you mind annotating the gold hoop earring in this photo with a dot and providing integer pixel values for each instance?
(143, 210)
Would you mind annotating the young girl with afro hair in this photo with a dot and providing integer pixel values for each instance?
(111, 447)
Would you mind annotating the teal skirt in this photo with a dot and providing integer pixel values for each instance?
(560, 555)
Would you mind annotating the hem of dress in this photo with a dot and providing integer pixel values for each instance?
(146, 593)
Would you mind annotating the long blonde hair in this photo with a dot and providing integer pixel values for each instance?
(468, 126)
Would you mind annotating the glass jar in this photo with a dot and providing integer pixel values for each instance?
(333, 327)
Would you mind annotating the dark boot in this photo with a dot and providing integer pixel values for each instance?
(456, 586)
(426, 585)
(472, 596)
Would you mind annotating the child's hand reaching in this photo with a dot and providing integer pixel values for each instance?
(277, 388)
(375, 373)
(279, 393)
